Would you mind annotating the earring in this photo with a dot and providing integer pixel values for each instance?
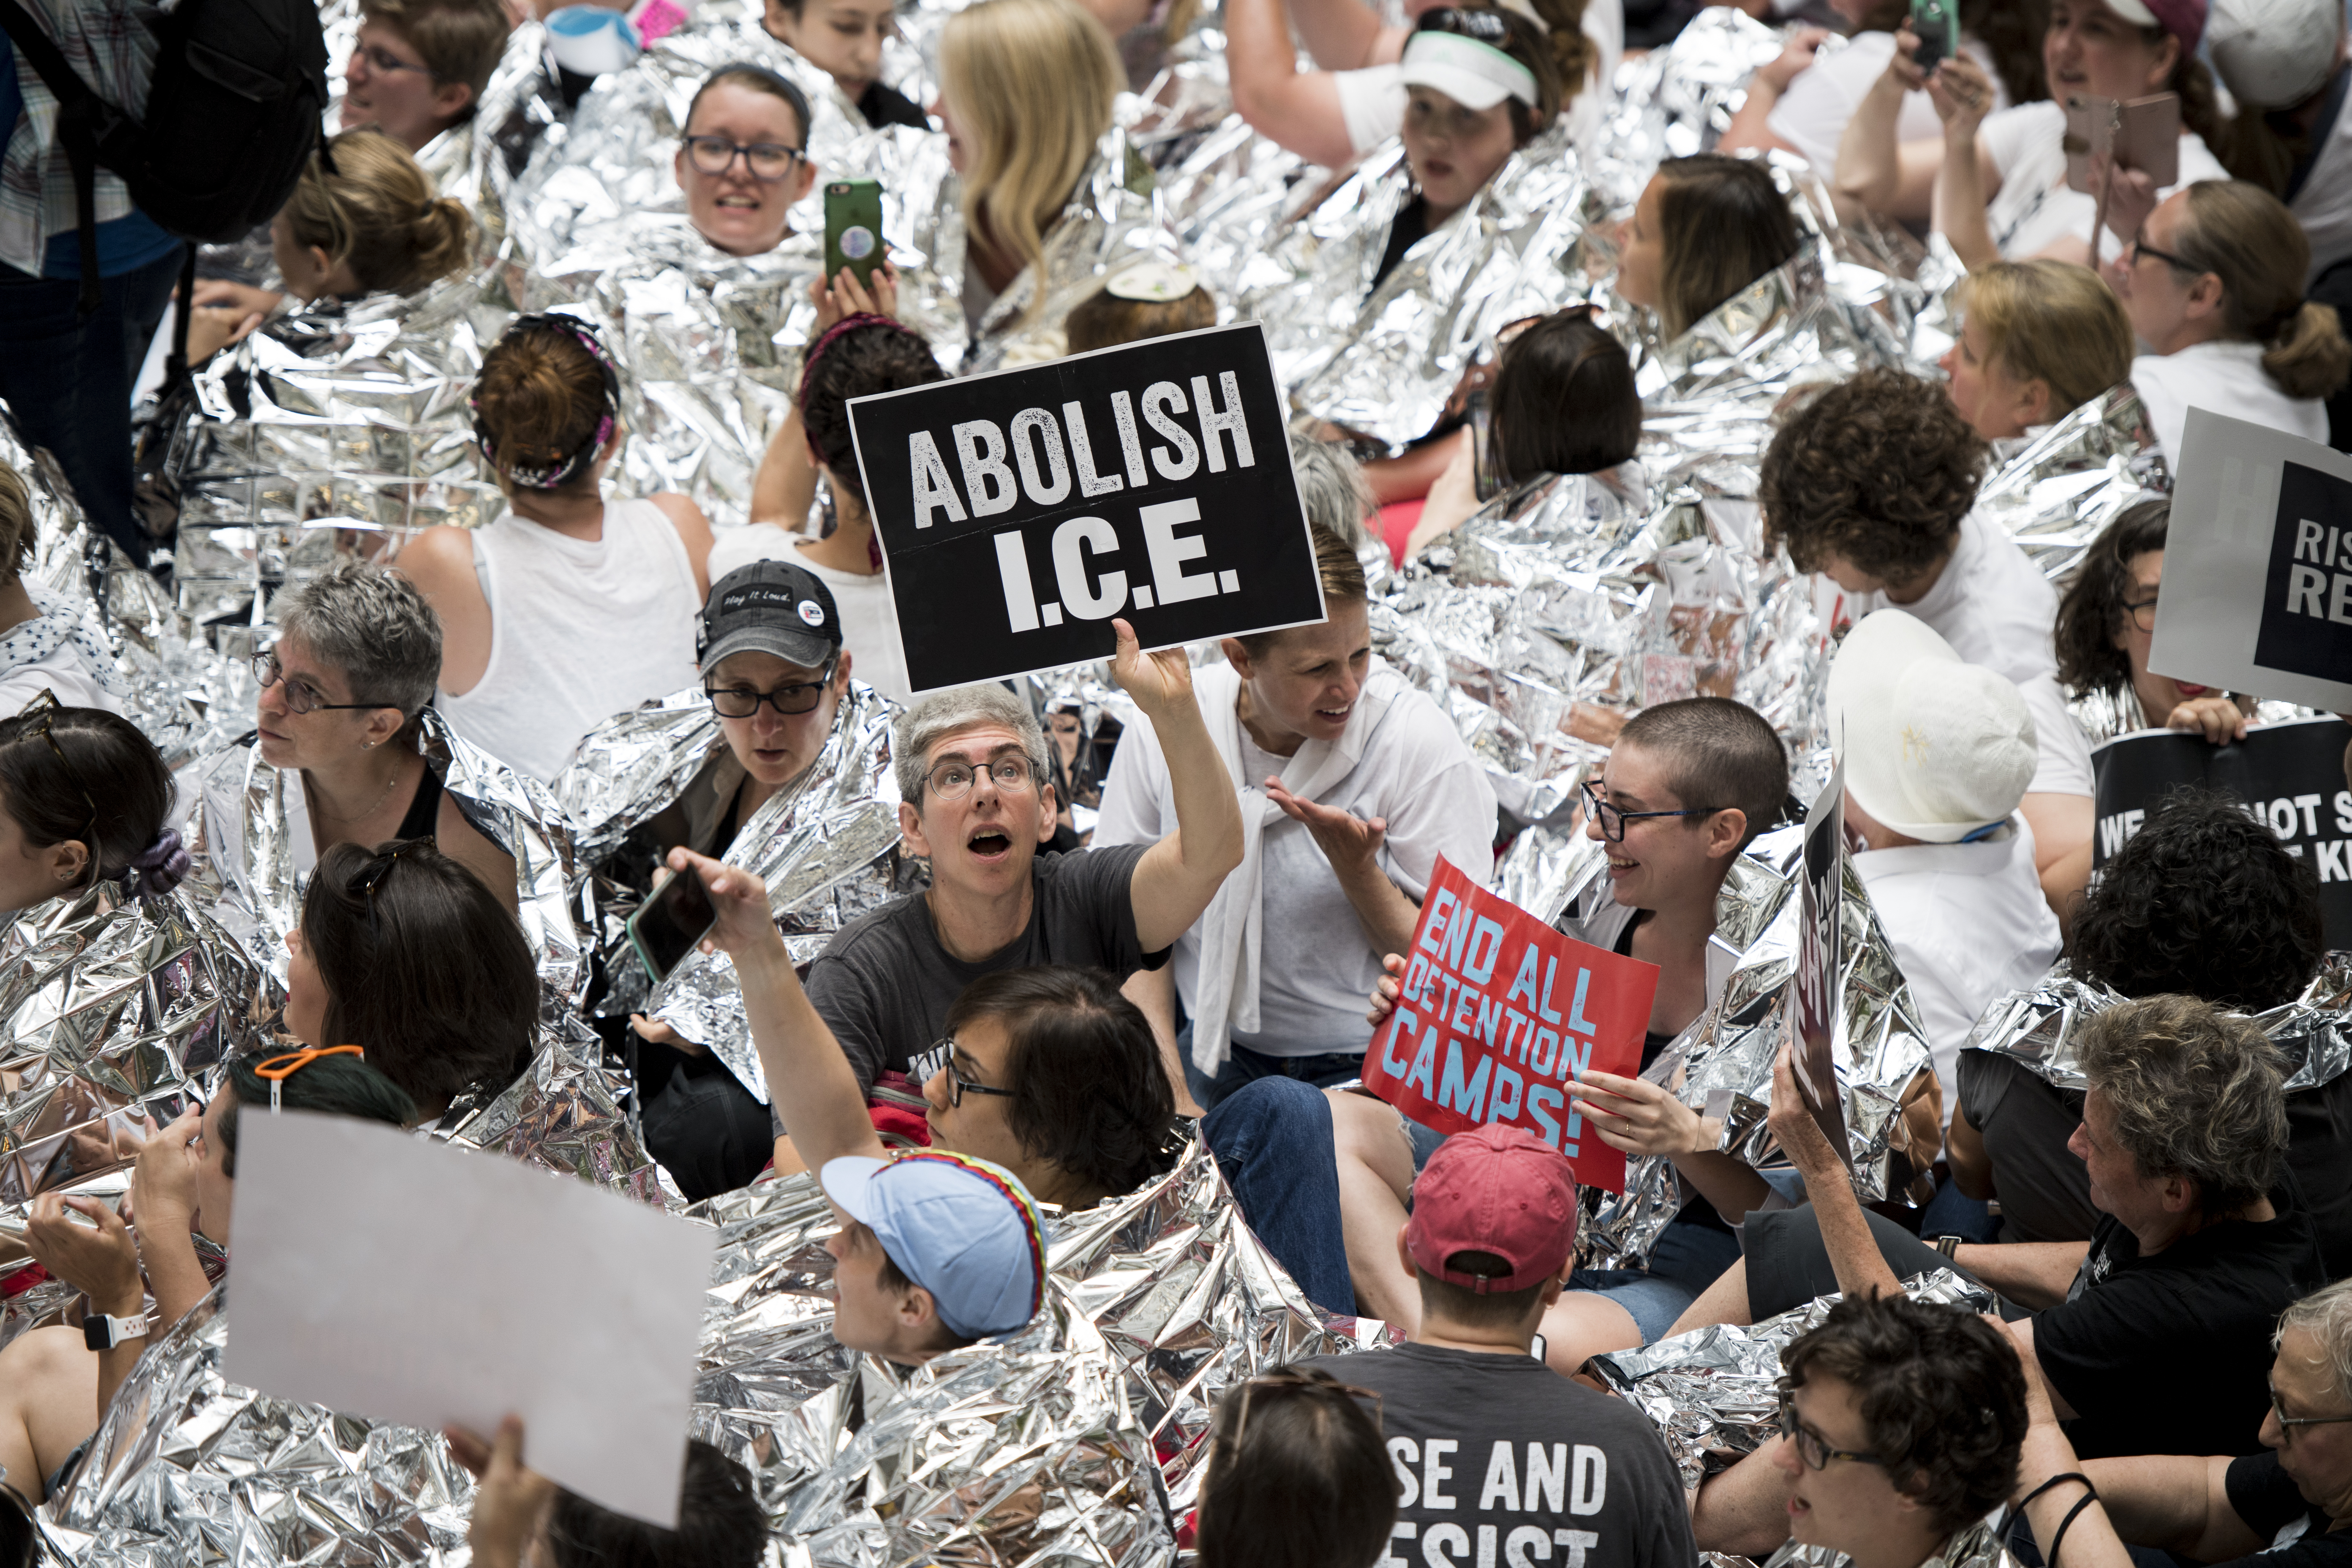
(368, 746)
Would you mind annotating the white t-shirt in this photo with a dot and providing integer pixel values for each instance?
(2226, 377)
(1969, 924)
(60, 650)
(2324, 205)
(1316, 965)
(2034, 208)
(1811, 115)
(1997, 611)
(869, 621)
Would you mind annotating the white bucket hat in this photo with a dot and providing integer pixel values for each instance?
(1934, 747)
(1474, 75)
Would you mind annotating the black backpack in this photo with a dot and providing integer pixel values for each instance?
(232, 112)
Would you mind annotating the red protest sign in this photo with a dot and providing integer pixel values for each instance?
(1498, 1011)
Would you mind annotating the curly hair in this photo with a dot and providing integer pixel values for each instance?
(1088, 1091)
(2326, 1315)
(2206, 900)
(2195, 1093)
(1878, 470)
(1940, 1389)
(2091, 612)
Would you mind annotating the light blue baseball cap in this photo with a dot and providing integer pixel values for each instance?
(963, 1229)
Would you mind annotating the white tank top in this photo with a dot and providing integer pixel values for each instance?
(579, 631)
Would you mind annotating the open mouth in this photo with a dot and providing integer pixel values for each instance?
(2191, 689)
(1438, 169)
(1621, 867)
(989, 844)
(1335, 715)
(737, 202)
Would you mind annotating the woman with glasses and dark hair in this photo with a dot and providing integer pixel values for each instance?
(83, 799)
(2106, 624)
(567, 609)
(56, 1383)
(743, 160)
(342, 707)
(1901, 1423)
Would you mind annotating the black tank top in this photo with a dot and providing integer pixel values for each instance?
(1652, 1042)
(423, 807)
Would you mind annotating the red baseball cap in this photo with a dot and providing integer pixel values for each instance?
(1497, 1189)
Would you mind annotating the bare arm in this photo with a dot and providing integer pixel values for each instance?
(694, 532)
(1845, 1233)
(2022, 1332)
(100, 1260)
(1964, 1151)
(1635, 1116)
(1178, 876)
(2173, 1502)
(440, 562)
(1346, 35)
(1743, 1510)
(1299, 110)
(1154, 991)
(784, 488)
(1962, 95)
(2031, 1273)
(1876, 168)
(815, 1092)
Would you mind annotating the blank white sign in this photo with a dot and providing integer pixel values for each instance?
(386, 1276)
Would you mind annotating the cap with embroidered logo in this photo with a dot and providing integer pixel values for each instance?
(773, 607)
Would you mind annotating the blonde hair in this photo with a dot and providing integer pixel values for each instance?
(16, 529)
(377, 211)
(2245, 236)
(1031, 84)
(2052, 321)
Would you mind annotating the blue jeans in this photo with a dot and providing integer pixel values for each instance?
(1686, 1259)
(1245, 1066)
(1272, 1138)
(67, 380)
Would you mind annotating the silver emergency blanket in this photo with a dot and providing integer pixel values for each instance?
(241, 834)
(827, 848)
(1722, 1064)
(1716, 1389)
(2041, 1028)
(1161, 1299)
(1978, 1545)
(110, 1007)
(2058, 491)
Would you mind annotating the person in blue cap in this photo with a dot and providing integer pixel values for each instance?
(937, 1250)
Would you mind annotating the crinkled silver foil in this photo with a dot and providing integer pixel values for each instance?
(2040, 1027)
(1161, 1299)
(109, 1009)
(257, 892)
(1716, 1389)
(1675, 101)
(1722, 1064)
(828, 849)
(2057, 491)
(1978, 1545)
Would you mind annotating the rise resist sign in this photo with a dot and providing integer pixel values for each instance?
(1498, 1013)
(1019, 512)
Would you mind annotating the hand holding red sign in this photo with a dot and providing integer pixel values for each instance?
(1497, 1013)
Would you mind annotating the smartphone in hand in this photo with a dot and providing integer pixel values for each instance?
(2142, 133)
(1937, 25)
(668, 925)
(852, 228)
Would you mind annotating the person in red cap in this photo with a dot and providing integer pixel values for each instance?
(1498, 1457)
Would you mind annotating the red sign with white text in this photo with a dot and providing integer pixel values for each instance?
(1499, 1013)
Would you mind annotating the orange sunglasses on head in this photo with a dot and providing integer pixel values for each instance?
(277, 1069)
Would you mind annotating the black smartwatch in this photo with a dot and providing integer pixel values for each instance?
(103, 1333)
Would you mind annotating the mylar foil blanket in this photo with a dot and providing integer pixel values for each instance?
(1716, 1389)
(563, 1113)
(827, 847)
(1722, 1064)
(1976, 1545)
(2057, 490)
(2041, 1028)
(247, 815)
(110, 1007)
(1164, 1292)
(1675, 101)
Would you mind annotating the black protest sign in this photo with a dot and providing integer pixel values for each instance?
(1815, 990)
(1019, 512)
(2289, 777)
(2307, 624)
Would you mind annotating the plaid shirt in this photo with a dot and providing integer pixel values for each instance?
(109, 49)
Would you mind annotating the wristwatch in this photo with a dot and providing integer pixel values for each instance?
(103, 1333)
(1948, 1245)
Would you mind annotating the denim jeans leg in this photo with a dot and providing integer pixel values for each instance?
(1272, 1138)
(1242, 1067)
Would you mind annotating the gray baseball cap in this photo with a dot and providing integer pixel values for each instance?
(773, 607)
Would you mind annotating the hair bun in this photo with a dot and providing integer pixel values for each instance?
(155, 871)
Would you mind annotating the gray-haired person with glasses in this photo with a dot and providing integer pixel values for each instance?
(2284, 1507)
(976, 801)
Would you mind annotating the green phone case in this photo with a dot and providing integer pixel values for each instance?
(853, 228)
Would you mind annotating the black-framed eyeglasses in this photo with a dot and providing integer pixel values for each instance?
(41, 710)
(380, 59)
(2142, 612)
(1812, 1447)
(2289, 1423)
(2142, 248)
(769, 160)
(300, 698)
(1612, 821)
(953, 778)
(742, 702)
(941, 1058)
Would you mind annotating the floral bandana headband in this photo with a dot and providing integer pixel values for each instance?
(570, 467)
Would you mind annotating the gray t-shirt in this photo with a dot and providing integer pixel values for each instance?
(2025, 1121)
(885, 983)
